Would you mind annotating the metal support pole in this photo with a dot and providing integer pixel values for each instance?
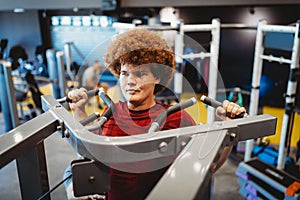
(33, 161)
(289, 101)
(178, 77)
(214, 28)
(256, 75)
(4, 99)
(68, 56)
(213, 67)
(10, 93)
(53, 72)
(61, 74)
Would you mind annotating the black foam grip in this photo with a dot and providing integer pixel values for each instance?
(211, 102)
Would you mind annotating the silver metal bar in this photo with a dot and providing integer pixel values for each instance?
(237, 26)
(11, 94)
(271, 58)
(53, 72)
(68, 58)
(198, 27)
(279, 28)
(190, 167)
(25, 144)
(4, 99)
(256, 74)
(225, 26)
(147, 146)
(61, 73)
(21, 144)
(26, 136)
(200, 55)
(162, 28)
(214, 67)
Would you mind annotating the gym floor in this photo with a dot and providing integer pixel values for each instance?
(59, 154)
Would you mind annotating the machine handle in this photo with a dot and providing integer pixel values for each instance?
(89, 93)
(214, 103)
(172, 109)
(90, 118)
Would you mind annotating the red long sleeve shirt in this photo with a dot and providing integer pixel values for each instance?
(124, 122)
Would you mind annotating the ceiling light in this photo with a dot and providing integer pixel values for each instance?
(19, 10)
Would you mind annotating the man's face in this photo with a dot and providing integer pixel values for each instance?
(137, 84)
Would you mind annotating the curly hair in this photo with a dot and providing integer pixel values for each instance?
(138, 47)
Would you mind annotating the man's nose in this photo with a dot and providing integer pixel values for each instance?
(131, 78)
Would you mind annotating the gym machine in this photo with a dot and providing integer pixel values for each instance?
(7, 97)
(55, 62)
(259, 180)
(68, 58)
(196, 148)
(213, 56)
(290, 36)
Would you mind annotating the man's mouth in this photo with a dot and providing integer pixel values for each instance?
(131, 91)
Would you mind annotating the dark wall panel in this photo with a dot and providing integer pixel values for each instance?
(21, 29)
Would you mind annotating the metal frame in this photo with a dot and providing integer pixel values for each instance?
(25, 142)
(214, 28)
(8, 99)
(55, 60)
(292, 84)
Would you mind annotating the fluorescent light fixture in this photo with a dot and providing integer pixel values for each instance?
(103, 21)
(66, 21)
(19, 10)
(77, 21)
(95, 21)
(86, 21)
(54, 21)
(137, 21)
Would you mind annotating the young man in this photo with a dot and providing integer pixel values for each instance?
(144, 65)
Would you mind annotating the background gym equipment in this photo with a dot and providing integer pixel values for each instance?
(213, 56)
(289, 40)
(57, 72)
(8, 99)
(259, 180)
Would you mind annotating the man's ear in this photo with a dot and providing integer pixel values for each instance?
(157, 80)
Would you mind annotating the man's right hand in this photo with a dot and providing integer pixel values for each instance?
(79, 99)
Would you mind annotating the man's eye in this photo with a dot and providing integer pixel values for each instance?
(139, 74)
(123, 73)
